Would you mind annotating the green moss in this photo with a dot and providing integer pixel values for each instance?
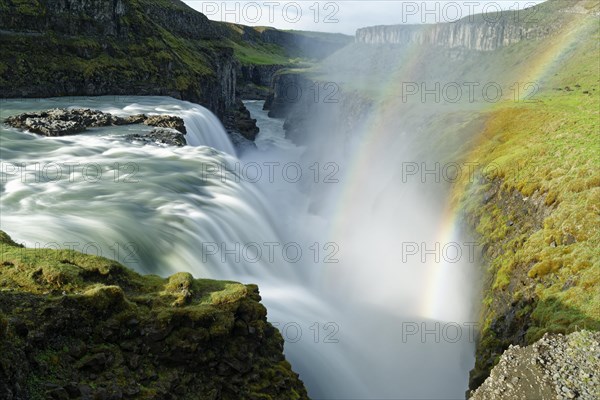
(89, 319)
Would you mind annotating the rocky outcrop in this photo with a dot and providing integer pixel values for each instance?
(555, 367)
(165, 121)
(239, 122)
(85, 327)
(63, 121)
(290, 90)
(333, 110)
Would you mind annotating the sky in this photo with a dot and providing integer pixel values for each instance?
(345, 16)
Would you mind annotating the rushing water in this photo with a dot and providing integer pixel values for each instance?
(200, 209)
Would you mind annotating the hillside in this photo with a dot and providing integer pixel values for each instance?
(535, 209)
(158, 47)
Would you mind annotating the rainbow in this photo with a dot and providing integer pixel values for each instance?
(374, 138)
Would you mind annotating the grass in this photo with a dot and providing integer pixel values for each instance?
(266, 54)
(551, 150)
(105, 283)
(536, 211)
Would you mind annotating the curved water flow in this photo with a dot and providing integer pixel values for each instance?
(163, 210)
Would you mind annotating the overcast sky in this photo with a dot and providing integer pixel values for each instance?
(346, 16)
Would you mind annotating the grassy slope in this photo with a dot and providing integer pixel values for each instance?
(258, 52)
(536, 208)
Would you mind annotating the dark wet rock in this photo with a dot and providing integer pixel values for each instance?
(62, 122)
(164, 136)
(240, 121)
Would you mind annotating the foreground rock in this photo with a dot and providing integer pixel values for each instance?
(555, 367)
(85, 327)
(62, 122)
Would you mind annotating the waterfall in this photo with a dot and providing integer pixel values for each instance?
(164, 209)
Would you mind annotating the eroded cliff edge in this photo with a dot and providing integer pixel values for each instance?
(80, 326)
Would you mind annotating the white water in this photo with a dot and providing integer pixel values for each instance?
(168, 205)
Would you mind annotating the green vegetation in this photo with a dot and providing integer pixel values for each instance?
(90, 320)
(266, 54)
(536, 209)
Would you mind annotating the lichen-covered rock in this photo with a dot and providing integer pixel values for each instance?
(555, 367)
(62, 121)
(85, 327)
(166, 121)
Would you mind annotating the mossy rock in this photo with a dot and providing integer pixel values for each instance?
(81, 325)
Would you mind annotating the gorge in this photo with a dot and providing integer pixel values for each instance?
(418, 206)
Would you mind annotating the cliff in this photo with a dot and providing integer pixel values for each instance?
(480, 32)
(141, 47)
(145, 47)
(81, 326)
(532, 214)
(263, 51)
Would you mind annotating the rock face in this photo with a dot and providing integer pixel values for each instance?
(483, 32)
(63, 121)
(290, 91)
(336, 112)
(255, 81)
(85, 327)
(239, 122)
(555, 367)
(481, 36)
(166, 121)
(105, 47)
